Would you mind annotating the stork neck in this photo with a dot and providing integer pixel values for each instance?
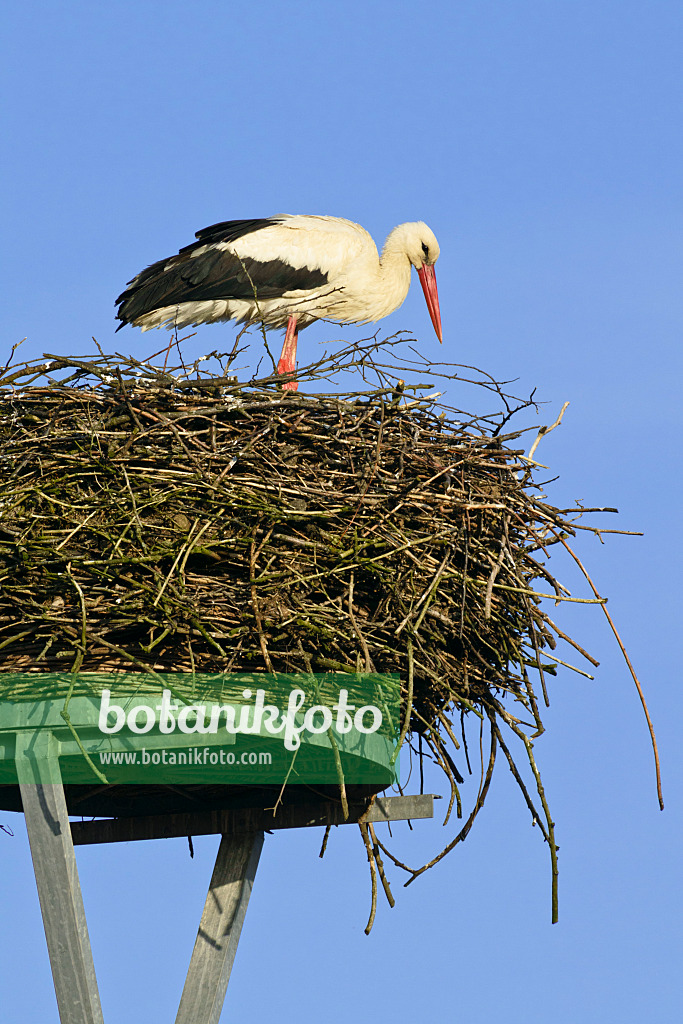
(394, 274)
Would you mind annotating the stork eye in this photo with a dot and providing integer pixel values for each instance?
(425, 249)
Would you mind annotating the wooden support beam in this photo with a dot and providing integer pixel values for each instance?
(219, 930)
(232, 821)
(59, 891)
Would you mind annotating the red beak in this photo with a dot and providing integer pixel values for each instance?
(428, 282)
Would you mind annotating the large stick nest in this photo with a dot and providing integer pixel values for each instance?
(176, 521)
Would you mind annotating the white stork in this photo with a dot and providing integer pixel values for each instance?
(285, 271)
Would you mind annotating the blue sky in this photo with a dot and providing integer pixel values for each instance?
(542, 143)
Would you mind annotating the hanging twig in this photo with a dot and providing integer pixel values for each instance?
(651, 729)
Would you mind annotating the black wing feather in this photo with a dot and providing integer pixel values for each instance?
(230, 230)
(213, 274)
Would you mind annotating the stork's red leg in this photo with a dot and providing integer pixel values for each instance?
(287, 362)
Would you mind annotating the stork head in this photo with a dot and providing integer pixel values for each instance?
(419, 244)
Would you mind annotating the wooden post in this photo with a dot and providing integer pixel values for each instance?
(59, 891)
(219, 929)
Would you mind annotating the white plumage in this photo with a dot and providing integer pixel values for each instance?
(284, 271)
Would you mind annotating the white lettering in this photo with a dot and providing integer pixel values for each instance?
(105, 709)
(376, 719)
(292, 730)
(309, 719)
(344, 720)
(199, 711)
(133, 714)
(166, 719)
